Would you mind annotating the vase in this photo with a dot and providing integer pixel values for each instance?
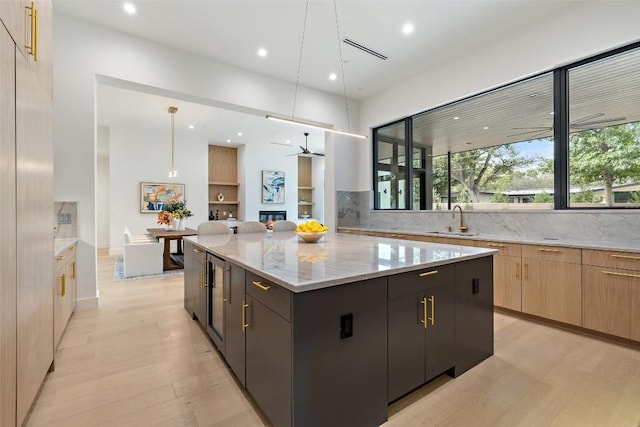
(181, 224)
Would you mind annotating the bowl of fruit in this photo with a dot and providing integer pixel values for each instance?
(311, 231)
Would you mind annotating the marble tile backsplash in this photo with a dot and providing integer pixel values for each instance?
(65, 219)
(607, 226)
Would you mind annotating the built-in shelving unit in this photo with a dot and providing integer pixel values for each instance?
(305, 187)
(223, 181)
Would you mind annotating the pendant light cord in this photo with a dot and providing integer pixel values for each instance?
(344, 84)
(173, 116)
(304, 28)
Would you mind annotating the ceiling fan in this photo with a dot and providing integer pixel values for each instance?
(305, 150)
(580, 124)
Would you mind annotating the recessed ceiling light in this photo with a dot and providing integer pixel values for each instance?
(228, 140)
(239, 133)
(456, 118)
(485, 128)
(129, 8)
(262, 52)
(332, 76)
(407, 28)
(191, 126)
(288, 141)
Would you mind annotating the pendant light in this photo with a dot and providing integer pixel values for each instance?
(173, 172)
(293, 119)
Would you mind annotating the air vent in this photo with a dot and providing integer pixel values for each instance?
(364, 48)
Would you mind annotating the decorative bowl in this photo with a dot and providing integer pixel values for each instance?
(310, 237)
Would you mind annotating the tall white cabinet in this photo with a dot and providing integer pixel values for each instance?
(26, 185)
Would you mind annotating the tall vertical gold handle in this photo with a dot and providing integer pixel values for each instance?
(245, 325)
(432, 300)
(526, 271)
(518, 270)
(73, 266)
(63, 285)
(424, 312)
(33, 49)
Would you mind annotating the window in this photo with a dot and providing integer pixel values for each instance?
(564, 139)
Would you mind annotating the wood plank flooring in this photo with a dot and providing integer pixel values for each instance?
(139, 360)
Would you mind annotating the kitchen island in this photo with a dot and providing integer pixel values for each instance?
(330, 333)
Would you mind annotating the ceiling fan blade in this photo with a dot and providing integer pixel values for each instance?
(318, 154)
(597, 122)
(586, 119)
(281, 143)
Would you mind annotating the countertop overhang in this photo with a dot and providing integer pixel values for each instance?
(334, 260)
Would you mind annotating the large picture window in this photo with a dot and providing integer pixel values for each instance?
(500, 150)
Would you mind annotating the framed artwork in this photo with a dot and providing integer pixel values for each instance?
(154, 196)
(272, 187)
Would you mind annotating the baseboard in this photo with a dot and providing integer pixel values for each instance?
(87, 303)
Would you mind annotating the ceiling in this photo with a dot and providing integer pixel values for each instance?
(231, 31)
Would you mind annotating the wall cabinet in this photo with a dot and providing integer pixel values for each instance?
(64, 291)
(551, 283)
(223, 182)
(421, 328)
(611, 291)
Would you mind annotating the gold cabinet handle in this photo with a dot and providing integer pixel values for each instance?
(613, 273)
(63, 285)
(33, 14)
(202, 281)
(518, 270)
(495, 245)
(73, 266)
(261, 286)
(60, 257)
(245, 325)
(424, 312)
(636, 258)
(428, 273)
(432, 300)
(548, 250)
(526, 272)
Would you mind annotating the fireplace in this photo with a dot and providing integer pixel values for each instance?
(268, 217)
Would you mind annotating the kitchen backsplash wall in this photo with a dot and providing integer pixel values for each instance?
(593, 225)
(65, 219)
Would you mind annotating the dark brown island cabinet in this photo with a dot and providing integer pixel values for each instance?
(336, 356)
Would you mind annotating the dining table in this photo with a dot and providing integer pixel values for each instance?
(171, 261)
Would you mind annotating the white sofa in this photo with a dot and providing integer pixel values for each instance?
(142, 254)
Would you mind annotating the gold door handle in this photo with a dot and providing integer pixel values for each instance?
(424, 312)
(432, 300)
(518, 270)
(245, 325)
(428, 273)
(548, 250)
(60, 257)
(495, 245)
(63, 285)
(526, 272)
(636, 258)
(33, 49)
(202, 281)
(613, 273)
(73, 276)
(261, 286)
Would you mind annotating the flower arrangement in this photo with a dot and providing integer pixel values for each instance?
(174, 209)
(165, 218)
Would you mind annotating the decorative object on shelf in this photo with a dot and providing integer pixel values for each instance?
(154, 196)
(230, 214)
(220, 197)
(173, 171)
(293, 119)
(272, 187)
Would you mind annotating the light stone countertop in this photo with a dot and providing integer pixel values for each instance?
(60, 245)
(336, 259)
(567, 243)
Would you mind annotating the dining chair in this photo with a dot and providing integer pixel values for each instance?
(213, 227)
(251, 227)
(284, 225)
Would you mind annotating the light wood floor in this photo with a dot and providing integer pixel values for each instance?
(139, 360)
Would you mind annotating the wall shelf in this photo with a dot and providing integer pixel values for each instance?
(223, 179)
(233, 184)
(305, 187)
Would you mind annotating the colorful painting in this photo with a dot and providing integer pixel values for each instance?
(272, 187)
(154, 196)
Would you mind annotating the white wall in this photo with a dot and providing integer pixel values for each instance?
(317, 178)
(102, 188)
(140, 156)
(583, 31)
(84, 52)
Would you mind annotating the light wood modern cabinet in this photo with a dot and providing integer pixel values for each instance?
(305, 187)
(507, 274)
(611, 291)
(551, 283)
(223, 182)
(26, 297)
(64, 291)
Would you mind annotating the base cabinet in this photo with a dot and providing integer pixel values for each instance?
(64, 292)
(194, 282)
(234, 320)
(420, 328)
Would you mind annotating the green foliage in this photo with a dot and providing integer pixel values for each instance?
(178, 209)
(634, 197)
(499, 198)
(585, 196)
(542, 197)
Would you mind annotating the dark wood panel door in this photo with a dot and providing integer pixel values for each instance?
(234, 319)
(200, 292)
(268, 362)
(406, 344)
(440, 347)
